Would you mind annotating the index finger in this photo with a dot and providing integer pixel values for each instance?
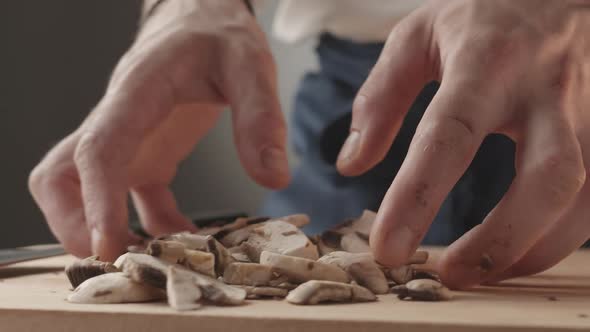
(444, 145)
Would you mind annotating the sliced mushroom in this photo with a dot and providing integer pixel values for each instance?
(361, 267)
(352, 242)
(199, 261)
(280, 237)
(183, 292)
(170, 251)
(84, 269)
(362, 225)
(114, 288)
(119, 261)
(298, 269)
(223, 257)
(328, 242)
(297, 220)
(239, 254)
(190, 240)
(420, 274)
(235, 235)
(422, 290)
(216, 291)
(316, 291)
(401, 275)
(249, 274)
(254, 292)
(146, 269)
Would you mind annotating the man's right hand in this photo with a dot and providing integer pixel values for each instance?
(191, 59)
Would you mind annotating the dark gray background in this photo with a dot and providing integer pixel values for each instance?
(56, 57)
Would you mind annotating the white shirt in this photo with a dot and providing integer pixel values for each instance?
(358, 20)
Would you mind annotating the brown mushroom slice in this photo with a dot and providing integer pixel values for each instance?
(169, 251)
(146, 269)
(422, 290)
(183, 293)
(353, 243)
(361, 267)
(254, 292)
(298, 269)
(190, 240)
(82, 270)
(249, 274)
(223, 257)
(318, 291)
(280, 237)
(114, 287)
(199, 261)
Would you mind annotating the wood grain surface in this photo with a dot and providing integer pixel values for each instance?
(33, 299)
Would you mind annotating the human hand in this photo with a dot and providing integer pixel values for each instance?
(191, 59)
(520, 68)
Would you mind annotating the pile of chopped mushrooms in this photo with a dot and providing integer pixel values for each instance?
(253, 258)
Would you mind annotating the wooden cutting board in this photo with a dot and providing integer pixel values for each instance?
(32, 299)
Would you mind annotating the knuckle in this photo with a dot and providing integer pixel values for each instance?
(451, 135)
(91, 150)
(561, 174)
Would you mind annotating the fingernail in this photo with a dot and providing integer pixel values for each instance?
(350, 148)
(275, 160)
(95, 238)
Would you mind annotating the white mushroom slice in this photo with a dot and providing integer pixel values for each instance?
(218, 292)
(237, 237)
(297, 220)
(249, 274)
(146, 269)
(199, 261)
(401, 275)
(352, 242)
(282, 238)
(361, 267)
(298, 269)
(114, 288)
(119, 261)
(243, 227)
(423, 290)
(257, 292)
(183, 292)
(87, 268)
(315, 291)
(169, 251)
(190, 240)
